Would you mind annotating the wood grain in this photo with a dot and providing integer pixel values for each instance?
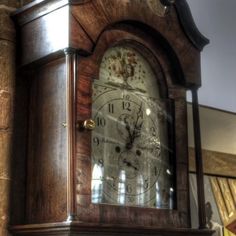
(224, 193)
(227, 195)
(47, 149)
(215, 163)
(219, 200)
(232, 186)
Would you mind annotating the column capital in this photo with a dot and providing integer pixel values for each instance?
(69, 51)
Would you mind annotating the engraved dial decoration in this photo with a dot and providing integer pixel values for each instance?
(131, 162)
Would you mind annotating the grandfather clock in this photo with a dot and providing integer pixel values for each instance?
(101, 137)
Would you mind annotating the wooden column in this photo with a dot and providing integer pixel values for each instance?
(71, 64)
(199, 162)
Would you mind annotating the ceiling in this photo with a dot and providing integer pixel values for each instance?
(216, 20)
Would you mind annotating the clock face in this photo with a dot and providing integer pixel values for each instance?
(131, 163)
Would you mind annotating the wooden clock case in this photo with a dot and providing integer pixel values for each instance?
(61, 44)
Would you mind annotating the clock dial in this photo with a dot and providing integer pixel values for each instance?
(130, 154)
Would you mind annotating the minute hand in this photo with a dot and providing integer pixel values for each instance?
(137, 125)
(136, 129)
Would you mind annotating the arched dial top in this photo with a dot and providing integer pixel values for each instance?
(131, 163)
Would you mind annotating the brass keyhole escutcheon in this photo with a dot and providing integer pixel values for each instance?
(88, 124)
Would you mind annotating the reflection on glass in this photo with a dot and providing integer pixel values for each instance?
(171, 198)
(140, 190)
(97, 176)
(148, 111)
(158, 198)
(121, 187)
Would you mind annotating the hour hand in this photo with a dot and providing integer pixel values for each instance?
(129, 144)
(138, 123)
(130, 135)
(129, 164)
(127, 127)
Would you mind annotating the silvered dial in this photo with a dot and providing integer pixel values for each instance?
(130, 157)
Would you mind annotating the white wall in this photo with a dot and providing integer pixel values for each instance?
(218, 130)
(216, 19)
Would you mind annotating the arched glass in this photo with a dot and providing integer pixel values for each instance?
(130, 142)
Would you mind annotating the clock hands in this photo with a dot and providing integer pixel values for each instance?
(137, 128)
(129, 164)
(127, 127)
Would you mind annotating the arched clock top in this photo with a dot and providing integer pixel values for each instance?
(166, 66)
(169, 24)
(189, 26)
(82, 23)
(157, 45)
(162, 9)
